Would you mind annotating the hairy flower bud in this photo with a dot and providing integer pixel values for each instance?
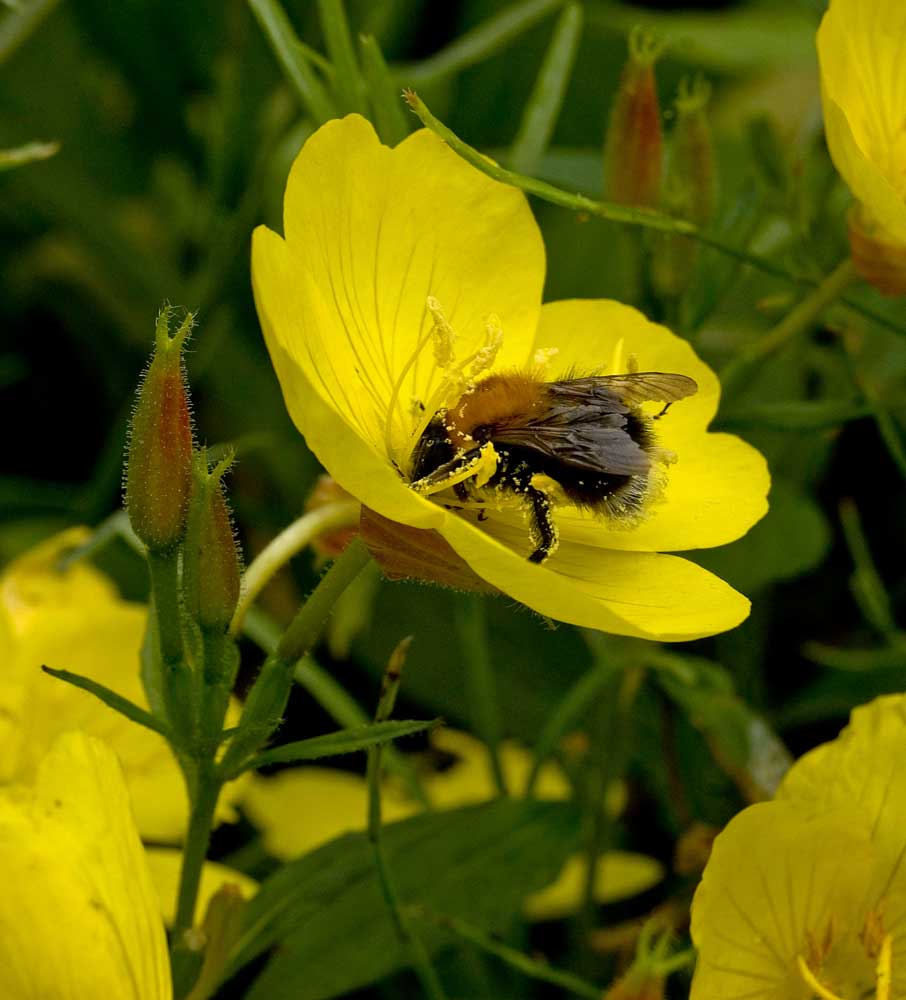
(159, 461)
(211, 566)
(690, 188)
(633, 149)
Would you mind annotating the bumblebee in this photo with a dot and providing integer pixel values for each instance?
(581, 441)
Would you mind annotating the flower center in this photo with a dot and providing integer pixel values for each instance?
(849, 968)
(457, 378)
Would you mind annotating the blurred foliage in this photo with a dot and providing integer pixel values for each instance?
(141, 144)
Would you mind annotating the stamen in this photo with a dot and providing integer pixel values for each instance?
(884, 969)
(818, 988)
(458, 376)
(616, 360)
(485, 356)
(443, 334)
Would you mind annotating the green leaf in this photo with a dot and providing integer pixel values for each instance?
(293, 60)
(325, 914)
(740, 740)
(113, 700)
(343, 741)
(796, 415)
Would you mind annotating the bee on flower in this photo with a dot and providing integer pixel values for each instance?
(405, 284)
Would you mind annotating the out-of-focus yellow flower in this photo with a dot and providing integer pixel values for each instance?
(862, 52)
(806, 895)
(74, 619)
(371, 234)
(302, 808)
(79, 919)
(165, 866)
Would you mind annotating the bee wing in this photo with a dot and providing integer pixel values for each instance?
(637, 387)
(593, 447)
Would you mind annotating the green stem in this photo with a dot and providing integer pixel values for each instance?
(277, 553)
(306, 627)
(418, 954)
(799, 319)
(612, 752)
(266, 702)
(518, 960)
(201, 820)
(483, 701)
(164, 570)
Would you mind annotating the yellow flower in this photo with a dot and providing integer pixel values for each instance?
(806, 895)
(404, 271)
(78, 915)
(74, 619)
(302, 808)
(862, 52)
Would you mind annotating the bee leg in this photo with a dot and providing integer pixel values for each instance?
(667, 406)
(544, 528)
(461, 491)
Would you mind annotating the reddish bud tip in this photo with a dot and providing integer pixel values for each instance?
(211, 559)
(634, 146)
(159, 461)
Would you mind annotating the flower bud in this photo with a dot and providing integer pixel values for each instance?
(877, 258)
(211, 559)
(159, 460)
(633, 149)
(689, 190)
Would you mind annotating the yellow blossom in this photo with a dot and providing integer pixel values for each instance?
(404, 275)
(806, 895)
(74, 619)
(862, 52)
(79, 919)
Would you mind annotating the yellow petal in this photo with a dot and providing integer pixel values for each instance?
(642, 594)
(717, 488)
(291, 320)
(165, 865)
(469, 780)
(862, 52)
(865, 767)
(76, 621)
(78, 916)
(302, 808)
(774, 880)
(377, 231)
(619, 875)
(34, 584)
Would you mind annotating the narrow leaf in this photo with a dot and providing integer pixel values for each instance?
(544, 103)
(349, 87)
(384, 92)
(113, 700)
(344, 741)
(480, 42)
(291, 56)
